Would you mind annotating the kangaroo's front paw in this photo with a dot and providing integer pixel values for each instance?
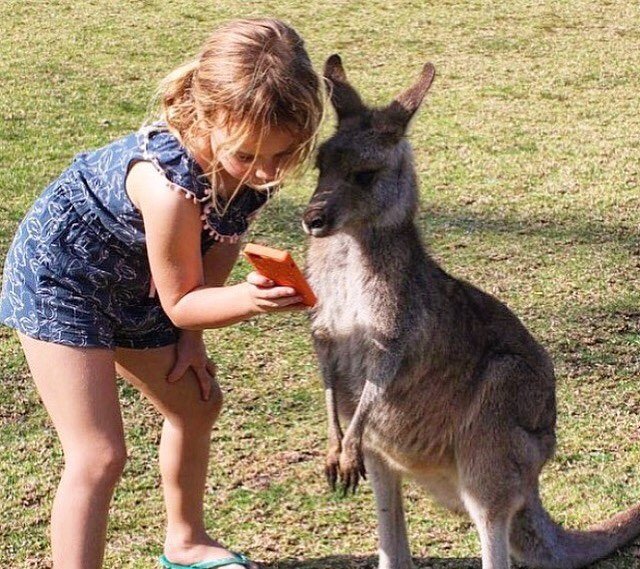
(332, 464)
(351, 466)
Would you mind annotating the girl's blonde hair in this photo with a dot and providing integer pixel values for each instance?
(251, 75)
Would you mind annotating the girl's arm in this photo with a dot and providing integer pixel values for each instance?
(173, 228)
(218, 262)
(191, 351)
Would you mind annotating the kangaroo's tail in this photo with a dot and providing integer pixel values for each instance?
(537, 541)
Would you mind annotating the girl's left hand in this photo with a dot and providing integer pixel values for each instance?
(191, 353)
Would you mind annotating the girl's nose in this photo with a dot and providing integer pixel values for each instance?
(266, 171)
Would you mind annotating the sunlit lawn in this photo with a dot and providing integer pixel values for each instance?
(528, 151)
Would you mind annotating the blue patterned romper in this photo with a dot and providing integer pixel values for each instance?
(77, 272)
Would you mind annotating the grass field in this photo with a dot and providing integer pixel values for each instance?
(528, 150)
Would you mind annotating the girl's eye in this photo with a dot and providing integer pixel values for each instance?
(244, 157)
(364, 177)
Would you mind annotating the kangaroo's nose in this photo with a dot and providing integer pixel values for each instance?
(317, 222)
(314, 220)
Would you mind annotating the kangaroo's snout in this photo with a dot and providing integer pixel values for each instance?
(314, 221)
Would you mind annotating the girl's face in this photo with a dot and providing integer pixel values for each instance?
(254, 162)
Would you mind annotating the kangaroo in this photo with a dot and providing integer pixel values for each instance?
(436, 379)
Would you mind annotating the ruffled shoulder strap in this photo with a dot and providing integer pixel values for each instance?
(228, 222)
(233, 222)
(162, 148)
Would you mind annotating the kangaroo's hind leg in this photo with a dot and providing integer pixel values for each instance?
(492, 492)
(392, 532)
(504, 440)
(493, 529)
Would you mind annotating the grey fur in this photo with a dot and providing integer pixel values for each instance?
(437, 380)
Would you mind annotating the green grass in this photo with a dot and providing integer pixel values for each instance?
(528, 155)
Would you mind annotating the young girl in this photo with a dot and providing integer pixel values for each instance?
(121, 263)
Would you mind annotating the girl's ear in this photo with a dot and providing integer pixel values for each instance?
(394, 119)
(344, 98)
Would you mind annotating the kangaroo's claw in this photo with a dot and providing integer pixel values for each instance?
(351, 468)
(331, 473)
(332, 465)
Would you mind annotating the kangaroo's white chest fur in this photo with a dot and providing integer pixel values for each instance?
(340, 281)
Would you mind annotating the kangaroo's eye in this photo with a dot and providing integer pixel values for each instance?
(364, 177)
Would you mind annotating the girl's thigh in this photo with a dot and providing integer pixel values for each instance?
(180, 401)
(78, 389)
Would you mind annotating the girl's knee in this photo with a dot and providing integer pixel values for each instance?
(210, 410)
(203, 414)
(101, 466)
(216, 400)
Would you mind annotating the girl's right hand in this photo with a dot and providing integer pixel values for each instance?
(266, 296)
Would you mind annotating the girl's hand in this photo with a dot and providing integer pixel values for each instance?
(266, 296)
(191, 353)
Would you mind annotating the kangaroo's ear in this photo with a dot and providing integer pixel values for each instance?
(344, 97)
(394, 119)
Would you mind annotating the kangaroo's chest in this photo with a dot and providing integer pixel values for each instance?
(354, 317)
(344, 309)
(347, 316)
(344, 289)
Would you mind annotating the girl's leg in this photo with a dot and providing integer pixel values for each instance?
(184, 448)
(78, 389)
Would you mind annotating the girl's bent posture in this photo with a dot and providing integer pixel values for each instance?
(120, 264)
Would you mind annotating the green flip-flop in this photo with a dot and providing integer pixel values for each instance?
(235, 559)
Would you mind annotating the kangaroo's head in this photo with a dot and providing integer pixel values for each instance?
(366, 176)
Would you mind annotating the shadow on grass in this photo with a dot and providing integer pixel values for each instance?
(371, 562)
(282, 223)
(574, 230)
